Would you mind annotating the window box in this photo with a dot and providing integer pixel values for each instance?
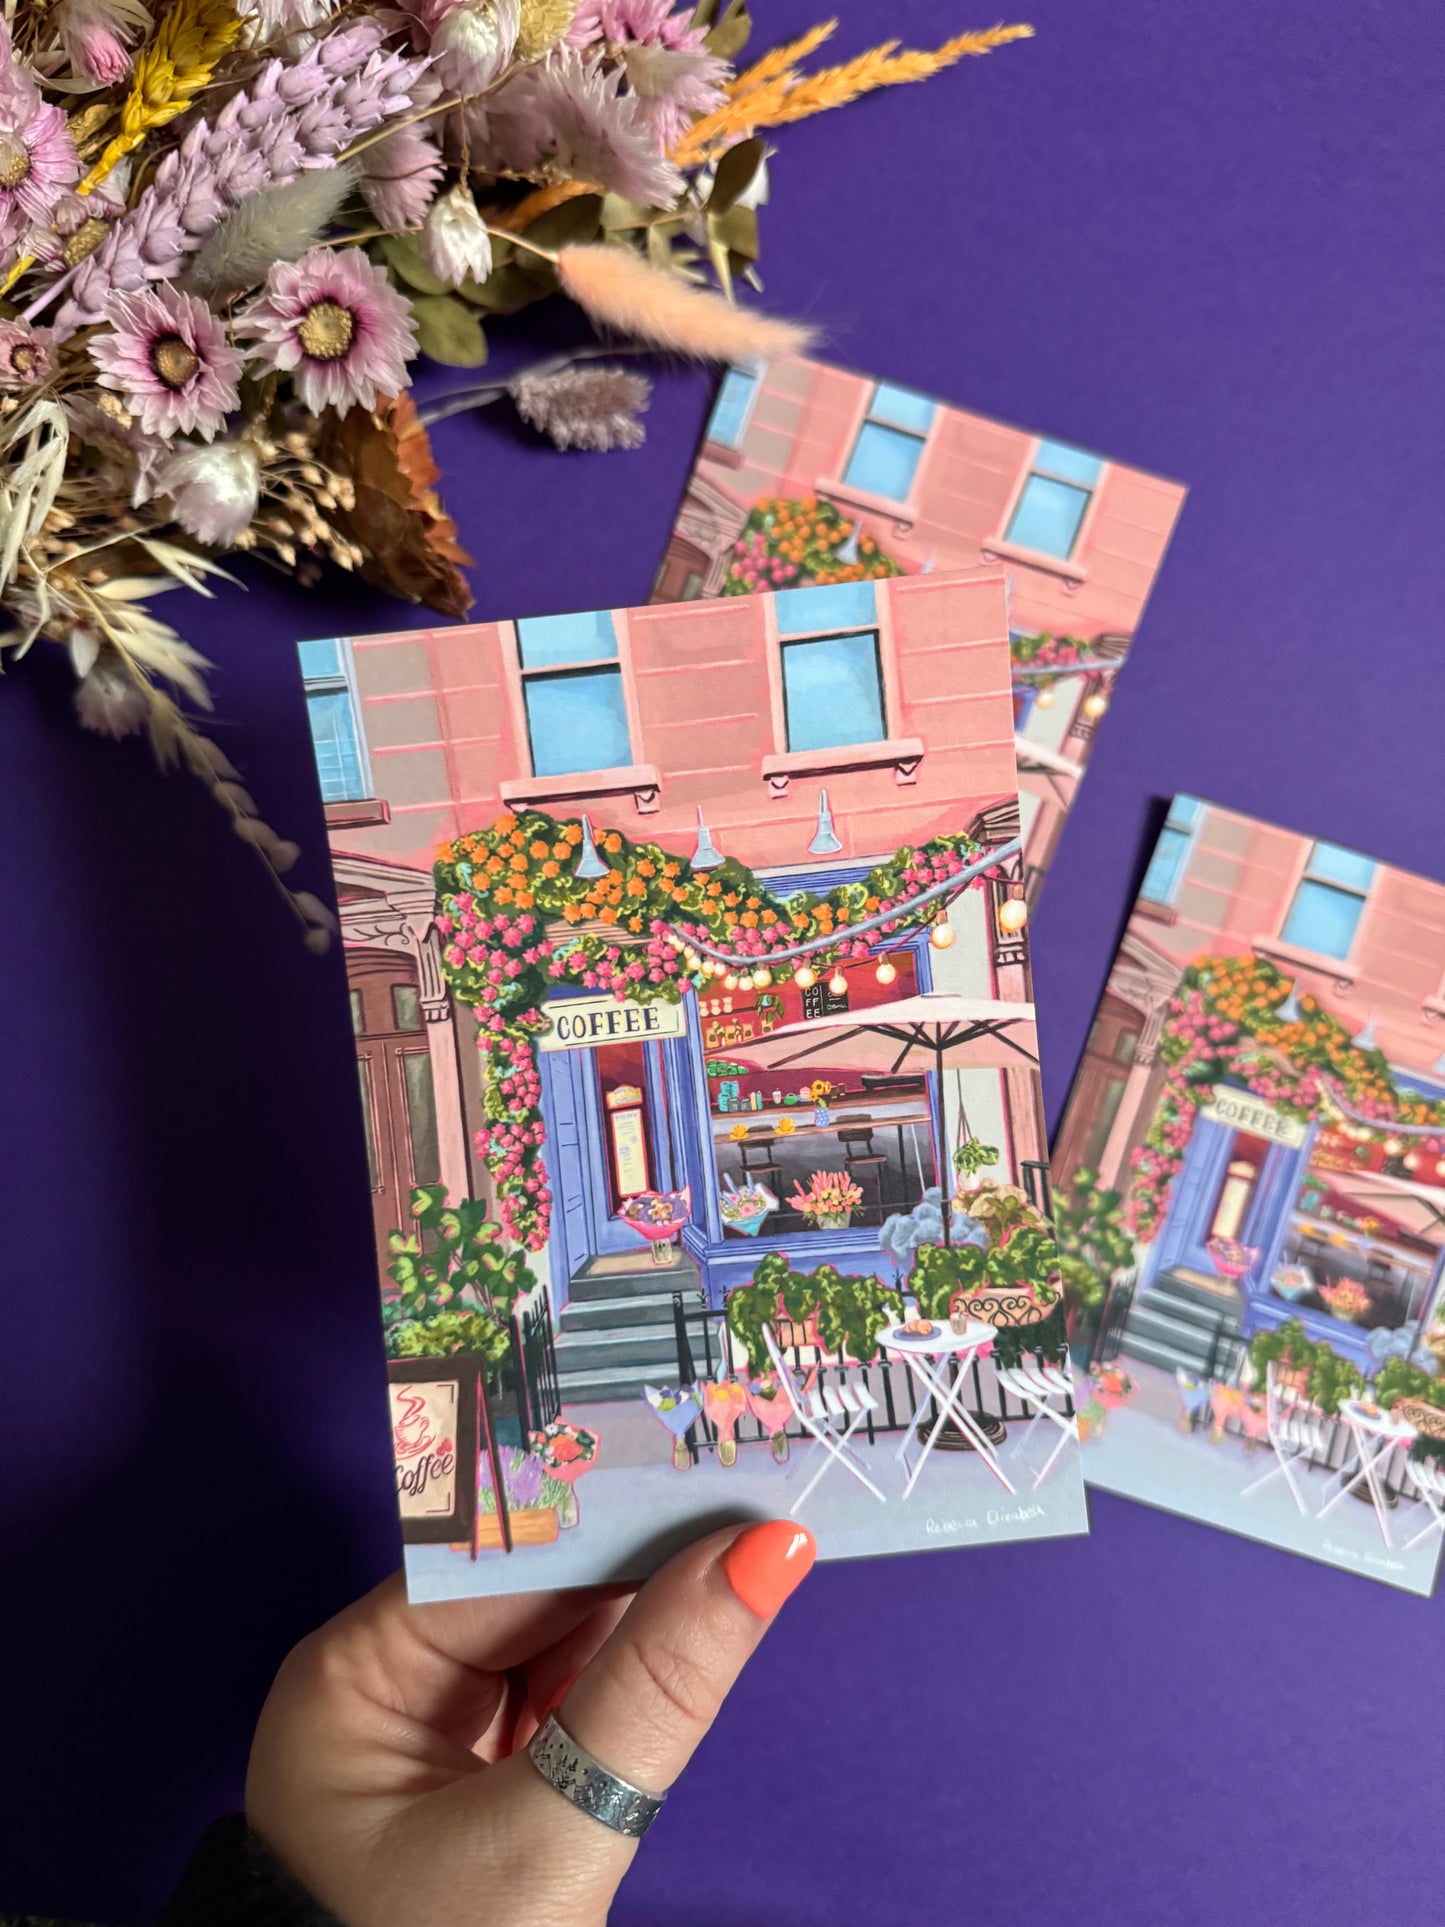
(366, 812)
(640, 780)
(1294, 958)
(902, 754)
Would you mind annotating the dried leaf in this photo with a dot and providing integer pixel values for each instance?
(577, 219)
(409, 540)
(448, 331)
(730, 27)
(737, 230)
(735, 174)
(403, 257)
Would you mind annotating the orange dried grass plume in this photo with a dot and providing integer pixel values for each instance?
(619, 290)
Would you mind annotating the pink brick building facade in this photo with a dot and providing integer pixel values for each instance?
(1079, 538)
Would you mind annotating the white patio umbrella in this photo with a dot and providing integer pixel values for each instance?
(930, 1032)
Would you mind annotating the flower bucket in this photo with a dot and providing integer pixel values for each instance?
(536, 1526)
(833, 1220)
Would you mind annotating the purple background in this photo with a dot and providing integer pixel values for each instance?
(1206, 240)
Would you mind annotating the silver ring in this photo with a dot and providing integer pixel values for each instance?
(588, 1784)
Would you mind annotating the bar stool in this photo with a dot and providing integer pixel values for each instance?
(763, 1165)
(864, 1165)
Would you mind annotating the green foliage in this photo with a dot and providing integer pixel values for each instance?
(476, 1333)
(1398, 1380)
(1093, 1243)
(1330, 1379)
(453, 1261)
(937, 1274)
(973, 1157)
(850, 1309)
(1048, 1339)
(1030, 1258)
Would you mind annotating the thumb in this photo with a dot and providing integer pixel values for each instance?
(657, 1683)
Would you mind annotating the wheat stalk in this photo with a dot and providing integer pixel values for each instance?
(169, 72)
(781, 60)
(785, 96)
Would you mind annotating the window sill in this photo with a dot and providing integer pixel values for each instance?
(1156, 912)
(1074, 575)
(902, 754)
(898, 513)
(639, 780)
(364, 812)
(721, 455)
(1433, 1010)
(1277, 950)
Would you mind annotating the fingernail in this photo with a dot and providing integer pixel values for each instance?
(767, 1563)
(541, 1709)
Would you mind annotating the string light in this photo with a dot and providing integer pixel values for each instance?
(730, 982)
(762, 977)
(1094, 706)
(1044, 699)
(1013, 914)
(838, 983)
(1393, 1147)
(885, 972)
(805, 977)
(745, 982)
(941, 935)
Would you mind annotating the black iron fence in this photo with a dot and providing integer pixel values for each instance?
(704, 1355)
(533, 1366)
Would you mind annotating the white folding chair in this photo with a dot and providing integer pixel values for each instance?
(1297, 1431)
(1037, 1383)
(1428, 1478)
(820, 1413)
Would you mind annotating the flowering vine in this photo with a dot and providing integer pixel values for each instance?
(516, 922)
(1225, 1027)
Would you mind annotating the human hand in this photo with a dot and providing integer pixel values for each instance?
(389, 1770)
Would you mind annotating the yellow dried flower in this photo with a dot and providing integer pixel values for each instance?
(169, 72)
(543, 24)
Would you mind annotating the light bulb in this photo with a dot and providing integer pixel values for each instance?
(941, 935)
(1440, 1167)
(1393, 1147)
(762, 977)
(886, 973)
(745, 982)
(1412, 1160)
(718, 969)
(804, 977)
(1045, 698)
(838, 983)
(1095, 705)
(730, 982)
(1013, 914)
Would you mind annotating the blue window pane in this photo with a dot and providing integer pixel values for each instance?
(1323, 919)
(902, 408)
(1185, 812)
(1335, 865)
(1067, 464)
(1048, 516)
(333, 737)
(1166, 866)
(884, 462)
(320, 659)
(577, 722)
(833, 692)
(548, 641)
(828, 605)
(734, 404)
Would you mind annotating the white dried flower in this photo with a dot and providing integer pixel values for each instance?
(592, 407)
(110, 702)
(454, 239)
(214, 489)
(472, 46)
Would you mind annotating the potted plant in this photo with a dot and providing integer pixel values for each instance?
(842, 1312)
(829, 1201)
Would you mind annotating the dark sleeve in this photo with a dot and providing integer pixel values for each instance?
(232, 1880)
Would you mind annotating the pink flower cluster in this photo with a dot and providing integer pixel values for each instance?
(754, 566)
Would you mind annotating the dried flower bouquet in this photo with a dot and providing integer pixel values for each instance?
(228, 229)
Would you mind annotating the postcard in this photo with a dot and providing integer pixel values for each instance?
(810, 473)
(689, 976)
(1251, 1198)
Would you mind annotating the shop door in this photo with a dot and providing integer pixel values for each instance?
(397, 1104)
(602, 1107)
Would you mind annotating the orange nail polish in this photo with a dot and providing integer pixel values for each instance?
(767, 1563)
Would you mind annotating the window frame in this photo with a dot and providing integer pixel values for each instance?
(730, 447)
(870, 417)
(1062, 564)
(1188, 833)
(558, 672)
(340, 682)
(1306, 875)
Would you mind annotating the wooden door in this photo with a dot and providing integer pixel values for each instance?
(1098, 1089)
(393, 1062)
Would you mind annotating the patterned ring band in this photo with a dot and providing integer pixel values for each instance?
(588, 1784)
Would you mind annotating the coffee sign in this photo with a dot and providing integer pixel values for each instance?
(582, 1023)
(1241, 1112)
(433, 1404)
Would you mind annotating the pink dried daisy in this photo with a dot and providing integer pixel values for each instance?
(169, 361)
(37, 156)
(335, 324)
(27, 355)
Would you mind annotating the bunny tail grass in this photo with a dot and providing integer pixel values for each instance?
(620, 291)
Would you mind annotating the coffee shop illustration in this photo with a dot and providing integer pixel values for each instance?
(664, 1102)
(1259, 1121)
(815, 473)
